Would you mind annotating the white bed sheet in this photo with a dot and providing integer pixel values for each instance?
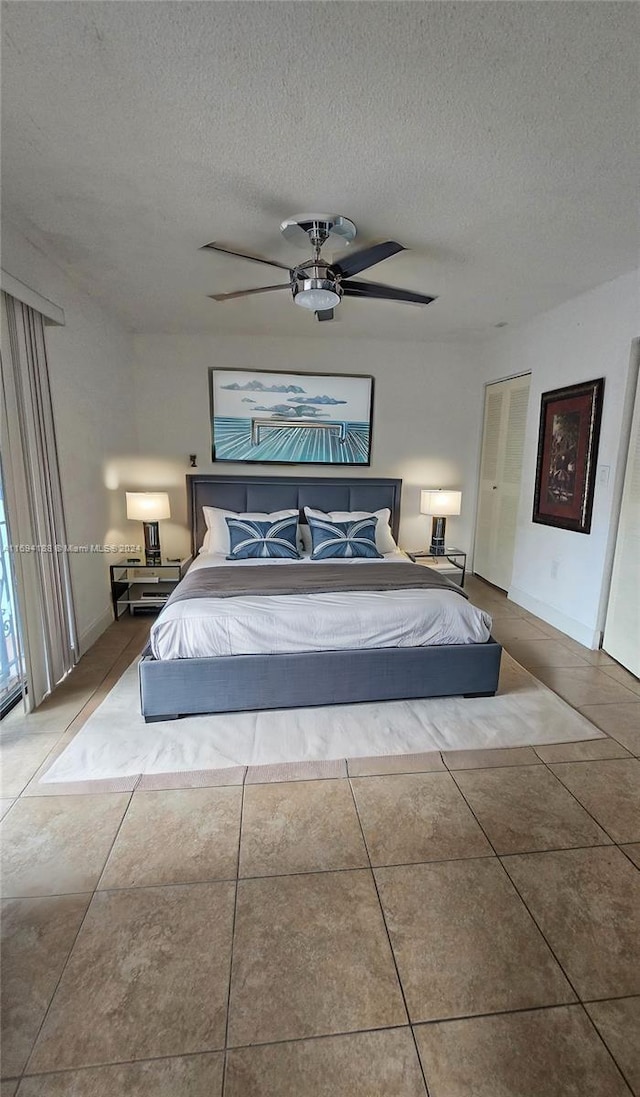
(278, 624)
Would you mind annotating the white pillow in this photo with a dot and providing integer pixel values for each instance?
(216, 539)
(384, 536)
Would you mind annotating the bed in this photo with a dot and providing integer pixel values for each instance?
(194, 681)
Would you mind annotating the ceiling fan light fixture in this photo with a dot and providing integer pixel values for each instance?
(316, 294)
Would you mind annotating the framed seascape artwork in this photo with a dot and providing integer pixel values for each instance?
(567, 453)
(290, 418)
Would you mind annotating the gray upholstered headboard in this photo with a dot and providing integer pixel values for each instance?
(268, 493)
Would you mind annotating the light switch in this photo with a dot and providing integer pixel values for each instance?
(602, 475)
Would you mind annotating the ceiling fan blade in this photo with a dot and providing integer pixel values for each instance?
(243, 255)
(368, 257)
(384, 293)
(324, 314)
(247, 292)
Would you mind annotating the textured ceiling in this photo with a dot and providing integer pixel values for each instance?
(497, 141)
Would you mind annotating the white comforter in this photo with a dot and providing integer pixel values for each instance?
(203, 627)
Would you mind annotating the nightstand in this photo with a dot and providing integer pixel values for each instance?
(140, 588)
(452, 564)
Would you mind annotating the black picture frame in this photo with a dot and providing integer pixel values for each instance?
(568, 439)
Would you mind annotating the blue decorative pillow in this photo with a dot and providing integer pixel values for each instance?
(251, 540)
(343, 540)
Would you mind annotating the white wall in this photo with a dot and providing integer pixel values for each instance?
(559, 575)
(427, 415)
(90, 372)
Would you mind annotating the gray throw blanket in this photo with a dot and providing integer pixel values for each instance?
(310, 578)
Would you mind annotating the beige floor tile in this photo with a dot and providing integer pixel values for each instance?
(58, 844)
(544, 653)
(595, 658)
(585, 686)
(20, 756)
(508, 630)
(587, 904)
(591, 750)
(181, 837)
(37, 935)
(610, 790)
(544, 1053)
(184, 1076)
(147, 977)
(525, 808)
(311, 957)
(481, 759)
(464, 942)
(8, 1088)
(493, 601)
(300, 826)
(416, 817)
(53, 715)
(618, 1023)
(4, 807)
(555, 633)
(499, 611)
(621, 722)
(620, 674)
(633, 852)
(365, 1064)
(395, 763)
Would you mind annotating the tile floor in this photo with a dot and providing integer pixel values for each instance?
(440, 925)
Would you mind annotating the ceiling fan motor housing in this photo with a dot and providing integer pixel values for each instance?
(315, 286)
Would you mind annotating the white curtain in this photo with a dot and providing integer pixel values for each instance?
(34, 502)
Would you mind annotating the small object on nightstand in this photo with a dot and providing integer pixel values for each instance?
(140, 588)
(452, 563)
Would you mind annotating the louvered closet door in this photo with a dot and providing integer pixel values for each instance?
(488, 499)
(622, 628)
(505, 417)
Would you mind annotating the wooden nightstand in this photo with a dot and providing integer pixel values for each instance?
(452, 564)
(143, 589)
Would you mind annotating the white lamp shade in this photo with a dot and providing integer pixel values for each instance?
(147, 506)
(442, 504)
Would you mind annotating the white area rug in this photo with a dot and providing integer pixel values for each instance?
(115, 742)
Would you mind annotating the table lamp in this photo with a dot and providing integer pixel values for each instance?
(440, 504)
(149, 507)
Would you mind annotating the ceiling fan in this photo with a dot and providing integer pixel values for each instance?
(316, 284)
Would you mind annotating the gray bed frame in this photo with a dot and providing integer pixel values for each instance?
(181, 687)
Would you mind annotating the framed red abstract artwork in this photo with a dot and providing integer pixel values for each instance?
(567, 452)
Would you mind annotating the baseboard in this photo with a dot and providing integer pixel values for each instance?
(588, 637)
(88, 638)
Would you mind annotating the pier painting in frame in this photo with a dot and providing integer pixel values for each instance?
(567, 454)
(290, 418)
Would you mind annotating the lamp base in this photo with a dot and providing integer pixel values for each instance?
(438, 529)
(152, 555)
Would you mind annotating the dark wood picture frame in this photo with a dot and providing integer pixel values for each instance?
(567, 452)
(354, 439)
